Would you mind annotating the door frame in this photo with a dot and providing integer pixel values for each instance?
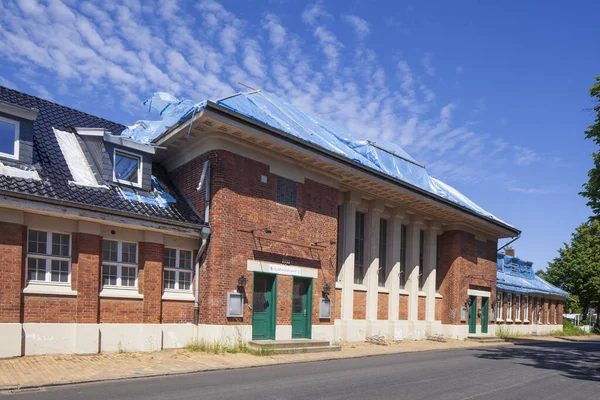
(308, 327)
(272, 314)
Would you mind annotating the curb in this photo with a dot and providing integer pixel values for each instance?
(32, 387)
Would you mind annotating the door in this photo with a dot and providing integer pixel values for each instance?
(473, 315)
(302, 308)
(264, 307)
(484, 314)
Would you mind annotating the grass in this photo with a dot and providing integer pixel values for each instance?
(225, 348)
(505, 333)
(569, 330)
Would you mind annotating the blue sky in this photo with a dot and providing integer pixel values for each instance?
(491, 97)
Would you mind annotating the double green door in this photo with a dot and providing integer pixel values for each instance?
(473, 314)
(301, 308)
(264, 307)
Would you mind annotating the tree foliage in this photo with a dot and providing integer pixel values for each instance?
(592, 187)
(577, 268)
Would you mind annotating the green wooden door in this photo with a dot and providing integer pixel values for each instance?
(301, 308)
(473, 315)
(264, 307)
(484, 314)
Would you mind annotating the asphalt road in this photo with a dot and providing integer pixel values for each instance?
(541, 370)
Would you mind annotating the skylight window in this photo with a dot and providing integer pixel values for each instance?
(9, 138)
(128, 168)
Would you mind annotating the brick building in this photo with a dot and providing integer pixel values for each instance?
(228, 225)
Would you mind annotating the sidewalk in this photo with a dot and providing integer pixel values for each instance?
(36, 371)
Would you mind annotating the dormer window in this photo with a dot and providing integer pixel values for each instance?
(127, 168)
(9, 138)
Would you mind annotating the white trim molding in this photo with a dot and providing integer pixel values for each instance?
(121, 293)
(49, 288)
(178, 295)
(479, 293)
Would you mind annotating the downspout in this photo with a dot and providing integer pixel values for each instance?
(204, 234)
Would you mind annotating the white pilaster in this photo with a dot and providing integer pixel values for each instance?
(395, 241)
(347, 253)
(429, 269)
(372, 257)
(412, 266)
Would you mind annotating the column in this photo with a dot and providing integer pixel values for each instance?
(412, 266)
(347, 253)
(429, 269)
(12, 248)
(151, 261)
(395, 241)
(372, 257)
(89, 249)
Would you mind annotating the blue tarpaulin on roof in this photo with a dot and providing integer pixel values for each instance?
(516, 275)
(385, 157)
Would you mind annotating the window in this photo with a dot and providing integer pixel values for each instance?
(403, 257)
(518, 303)
(421, 253)
(287, 192)
(48, 257)
(9, 138)
(119, 263)
(382, 251)
(509, 307)
(480, 249)
(526, 308)
(499, 306)
(359, 248)
(177, 269)
(128, 168)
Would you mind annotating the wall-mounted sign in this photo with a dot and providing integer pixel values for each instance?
(284, 269)
(235, 304)
(463, 314)
(325, 309)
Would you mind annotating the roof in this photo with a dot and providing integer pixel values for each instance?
(55, 175)
(516, 275)
(385, 158)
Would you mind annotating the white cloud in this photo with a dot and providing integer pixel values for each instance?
(329, 45)
(524, 156)
(360, 26)
(277, 34)
(428, 65)
(313, 13)
(459, 69)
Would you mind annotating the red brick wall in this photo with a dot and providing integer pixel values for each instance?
(337, 304)
(48, 309)
(86, 275)
(284, 300)
(240, 201)
(121, 311)
(461, 269)
(151, 256)
(403, 311)
(560, 311)
(382, 306)
(360, 305)
(177, 312)
(12, 243)
(438, 309)
(422, 308)
(546, 315)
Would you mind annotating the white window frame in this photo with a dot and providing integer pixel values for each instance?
(509, 308)
(177, 270)
(518, 308)
(526, 308)
(48, 257)
(499, 307)
(17, 125)
(140, 167)
(119, 264)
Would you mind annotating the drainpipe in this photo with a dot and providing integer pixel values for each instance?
(204, 234)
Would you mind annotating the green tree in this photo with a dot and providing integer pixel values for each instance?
(592, 187)
(577, 268)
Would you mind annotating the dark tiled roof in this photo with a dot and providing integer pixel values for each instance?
(55, 175)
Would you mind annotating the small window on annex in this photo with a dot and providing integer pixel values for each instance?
(9, 138)
(177, 269)
(127, 168)
(287, 192)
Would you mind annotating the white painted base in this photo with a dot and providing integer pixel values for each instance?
(358, 330)
(11, 340)
(283, 332)
(226, 334)
(528, 329)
